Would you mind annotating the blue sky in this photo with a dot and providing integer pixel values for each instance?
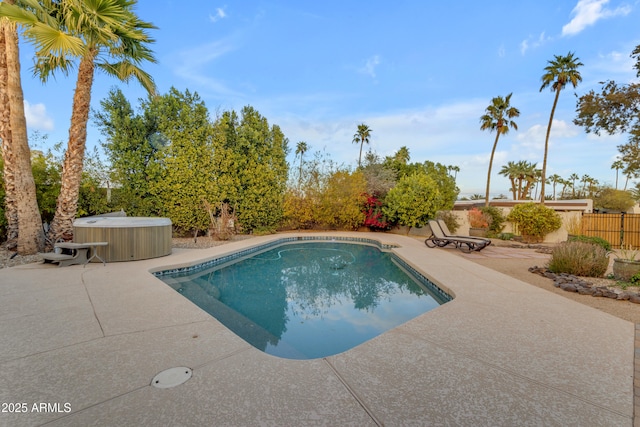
(418, 73)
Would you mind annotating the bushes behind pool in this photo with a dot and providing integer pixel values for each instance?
(580, 259)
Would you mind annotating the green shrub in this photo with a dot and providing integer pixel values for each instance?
(505, 236)
(591, 239)
(534, 220)
(450, 219)
(497, 219)
(580, 259)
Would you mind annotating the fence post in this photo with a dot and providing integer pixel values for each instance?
(622, 230)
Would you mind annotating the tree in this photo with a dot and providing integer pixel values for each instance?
(498, 117)
(560, 71)
(22, 213)
(617, 165)
(554, 180)
(454, 169)
(255, 169)
(510, 170)
(361, 137)
(613, 200)
(413, 201)
(107, 35)
(133, 146)
(187, 175)
(301, 148)
(573, 178)
(522, 175)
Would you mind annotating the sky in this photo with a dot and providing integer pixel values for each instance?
(419, 73)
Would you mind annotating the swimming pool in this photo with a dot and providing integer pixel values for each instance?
(308, 299)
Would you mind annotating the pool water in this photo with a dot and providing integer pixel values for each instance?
(308, 300)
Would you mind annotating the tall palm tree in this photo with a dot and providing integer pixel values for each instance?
(617, 165)
(105, 34)
(554, 180)
(584, 180)
(361, 137)
(301, 148)
(454, 169)
(22, 212)
(498, 117)
(573, 178)
(560, 71)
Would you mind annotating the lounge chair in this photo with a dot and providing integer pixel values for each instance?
(445, 230)
(465, 244)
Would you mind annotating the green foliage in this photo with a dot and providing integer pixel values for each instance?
(505, 236)
(594, 240)
(133, 148)
(613, 200)
(186, 169)
(450, 219)
(533, 219)
(46, 174)
(496, 223)
(255, 170)
(580, 259)
(414, 200)
(340, 204)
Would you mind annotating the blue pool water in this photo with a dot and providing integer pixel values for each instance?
(308, 300)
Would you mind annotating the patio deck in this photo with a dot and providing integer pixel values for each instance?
(501, 353)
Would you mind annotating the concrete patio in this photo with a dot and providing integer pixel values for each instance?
(89, 340)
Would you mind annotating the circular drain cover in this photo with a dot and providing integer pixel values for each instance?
(171, 377)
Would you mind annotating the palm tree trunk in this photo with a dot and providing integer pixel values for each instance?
(11, 209)
(546, 144)
(360, 158)
(493, 151)
(30, 232)
(67, 203)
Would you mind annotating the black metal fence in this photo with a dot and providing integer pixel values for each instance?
(621, 229)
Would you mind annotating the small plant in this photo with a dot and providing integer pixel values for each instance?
(478, 219)
(580, 259)
(534, 221)
(627, 253)
(591, 239)
(635, 279)
(505, 236)
(450, 219)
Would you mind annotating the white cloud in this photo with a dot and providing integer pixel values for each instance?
(37, 117)
(588, 12)
(220, 14)
(533, 138)
(370, 67)
(531, 42)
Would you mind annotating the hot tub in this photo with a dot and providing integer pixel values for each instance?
(129, 238)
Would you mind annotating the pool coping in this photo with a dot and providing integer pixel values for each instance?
(502, 352)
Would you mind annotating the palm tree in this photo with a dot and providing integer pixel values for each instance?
(454, 169)
(559, 72)
(554, 179)
(301, 148)
(584, 180)
(360, 137)
(498, 117)
(617, 165)
(22, 212)
(510, 170)
(573, 178)
(527, 176)
(105, 34)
